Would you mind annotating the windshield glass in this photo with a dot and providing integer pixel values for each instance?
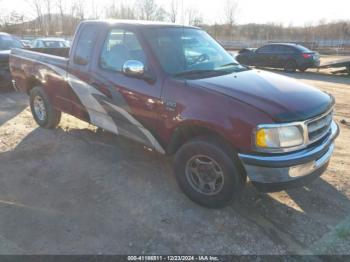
(186, 50)
(8, 42)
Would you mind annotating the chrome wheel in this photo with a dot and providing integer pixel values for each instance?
(39, 108)
(205, 175)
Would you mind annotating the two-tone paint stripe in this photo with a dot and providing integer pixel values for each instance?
(97, 112)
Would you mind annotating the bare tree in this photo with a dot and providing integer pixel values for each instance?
(13, 23)
(61, 7)
(161, 14)
(149, 10)
(37, 6)
(48, 20)
(96, 9)
(78, 9)
(231, 10)
(120, 12)
(194, 17)
(173, 12)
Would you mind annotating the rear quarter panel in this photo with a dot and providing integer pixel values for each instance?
(29, 69)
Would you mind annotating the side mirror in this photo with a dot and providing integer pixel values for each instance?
(134, 68)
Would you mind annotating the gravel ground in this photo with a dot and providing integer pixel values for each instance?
(77, 190)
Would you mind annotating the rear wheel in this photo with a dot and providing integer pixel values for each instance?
(207, 173)
(44, 113)
(290, 66)
(302, 69)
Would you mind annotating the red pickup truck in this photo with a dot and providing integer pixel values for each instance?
(177, 91)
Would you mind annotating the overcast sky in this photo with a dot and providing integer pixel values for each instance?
(296, 12)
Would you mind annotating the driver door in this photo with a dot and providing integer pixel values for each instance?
(132, 103)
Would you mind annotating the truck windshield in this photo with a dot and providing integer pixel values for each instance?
(185, 51)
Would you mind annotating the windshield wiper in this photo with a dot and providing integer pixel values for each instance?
(229, 64)
(195, 72)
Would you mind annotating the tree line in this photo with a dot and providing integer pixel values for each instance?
(60, 17)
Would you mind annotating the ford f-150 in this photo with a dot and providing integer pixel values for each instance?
(177, 91)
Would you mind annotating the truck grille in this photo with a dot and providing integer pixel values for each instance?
(319, 127)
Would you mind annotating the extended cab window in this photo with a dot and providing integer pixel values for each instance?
(119, 47)
(85, 45)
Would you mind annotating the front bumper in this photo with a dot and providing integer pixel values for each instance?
(271, 173)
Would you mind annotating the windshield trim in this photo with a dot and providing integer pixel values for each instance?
(209, 73)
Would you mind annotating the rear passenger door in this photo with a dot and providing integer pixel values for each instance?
(263, 56)
(131, 104)
(281, 54)
(277, 55)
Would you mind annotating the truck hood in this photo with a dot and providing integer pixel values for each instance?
(282, 98)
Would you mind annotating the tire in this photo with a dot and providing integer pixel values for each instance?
(230, 177)
(302, 69)
(290, 66)
(44, 113)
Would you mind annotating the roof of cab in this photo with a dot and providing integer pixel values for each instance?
(287, 44)
(136, 23)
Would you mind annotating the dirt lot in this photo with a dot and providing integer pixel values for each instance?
(76, 190)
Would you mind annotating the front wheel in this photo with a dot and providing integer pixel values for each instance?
(207, 173)
(44, 113)
(290, 66)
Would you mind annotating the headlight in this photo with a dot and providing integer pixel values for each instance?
(277, 137)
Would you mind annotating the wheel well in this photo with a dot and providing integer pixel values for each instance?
(184, 134)
(31, 83)
(291, 60)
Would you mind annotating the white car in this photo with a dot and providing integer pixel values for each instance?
(50, 43)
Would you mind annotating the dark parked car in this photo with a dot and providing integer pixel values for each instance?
(7, 42)
(175, 90)
(288, 56)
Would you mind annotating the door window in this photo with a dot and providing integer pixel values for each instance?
(119, 47)
(284, 49)
(265, 49)
(85, 45)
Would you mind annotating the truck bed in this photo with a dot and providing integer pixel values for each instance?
(28, 64)
(62, 52)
